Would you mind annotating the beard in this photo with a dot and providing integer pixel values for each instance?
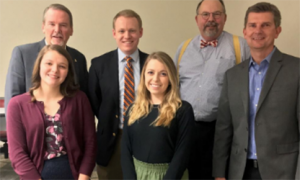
(211, 32)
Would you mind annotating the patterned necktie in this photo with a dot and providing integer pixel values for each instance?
(128, 85)
(213, 43)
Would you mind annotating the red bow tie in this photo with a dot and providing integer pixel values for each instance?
(213, 43)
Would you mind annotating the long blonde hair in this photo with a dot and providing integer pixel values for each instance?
(171, 101)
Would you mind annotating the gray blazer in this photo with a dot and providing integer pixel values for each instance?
(18, 79)
(276, 123)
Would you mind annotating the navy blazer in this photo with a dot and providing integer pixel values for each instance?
(104, 97)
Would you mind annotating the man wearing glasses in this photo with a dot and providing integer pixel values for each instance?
(201, 64)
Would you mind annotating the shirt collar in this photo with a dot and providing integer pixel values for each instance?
(122, 55)
(268, 58)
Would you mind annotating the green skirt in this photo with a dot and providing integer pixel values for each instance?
(148, 171)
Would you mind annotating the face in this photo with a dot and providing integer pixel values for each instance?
(57, 27)
(156, 79)
(127, 34)
(53, 69)
(260, 31)
(210, 25)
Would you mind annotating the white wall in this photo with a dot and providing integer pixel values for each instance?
(166, 24)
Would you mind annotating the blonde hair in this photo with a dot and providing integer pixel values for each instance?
(129, 14)
(171, 101)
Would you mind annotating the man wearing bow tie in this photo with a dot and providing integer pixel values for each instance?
(202, 64)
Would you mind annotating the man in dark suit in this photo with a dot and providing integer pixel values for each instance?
(258, 120)
(106, 89)
(57, 27)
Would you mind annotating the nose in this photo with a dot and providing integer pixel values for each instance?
(155, 77)
(57, 28)
(258, 29)
(54, 68)
(127, 34)
(211, 17)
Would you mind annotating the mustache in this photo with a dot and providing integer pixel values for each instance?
(211, 23)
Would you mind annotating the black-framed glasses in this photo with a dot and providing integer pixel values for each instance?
(216, 15)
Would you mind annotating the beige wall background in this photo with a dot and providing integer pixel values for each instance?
(166, 24)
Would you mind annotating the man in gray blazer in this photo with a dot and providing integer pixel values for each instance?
(57, 27)
(257, 128)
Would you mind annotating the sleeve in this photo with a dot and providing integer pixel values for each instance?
(90, 147)
(126, 152)
(298, 117)
(183, 146)
(15, 78)
(94, 89)
(245, 50)
(223, 134)
(18, 150)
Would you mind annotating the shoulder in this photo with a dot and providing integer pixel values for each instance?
(79, 96)
(143, 55)
(104, 57)
(185, 107)
(74, 52)
(20, 99)
(29, 47)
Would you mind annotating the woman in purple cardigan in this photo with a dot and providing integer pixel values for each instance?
(51, 129)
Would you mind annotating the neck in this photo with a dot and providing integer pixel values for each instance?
(156, 100)
(258, 55)
(46, 93)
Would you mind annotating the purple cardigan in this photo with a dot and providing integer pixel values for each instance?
(26, 135)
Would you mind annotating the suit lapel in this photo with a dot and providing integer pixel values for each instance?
(274, 67)
(75, 65)
(143, 57)
(244, 86)
(114, 70)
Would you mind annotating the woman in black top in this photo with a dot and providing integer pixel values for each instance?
(157, 133)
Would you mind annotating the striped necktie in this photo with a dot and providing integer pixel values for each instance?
(128, 84)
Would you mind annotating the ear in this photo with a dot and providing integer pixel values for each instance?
(278, 31)
(114, 33)
(244, 32)
(71, 31)
(43, 27)
(141, 32)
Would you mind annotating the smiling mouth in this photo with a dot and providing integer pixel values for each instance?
(155, 85)
(53, 76)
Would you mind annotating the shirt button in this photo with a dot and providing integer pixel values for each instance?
(259, 72)
(255, 105)
(200, 86)
(258, 89)
(114, 134)
(117, 116)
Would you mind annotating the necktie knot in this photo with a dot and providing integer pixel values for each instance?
(128, 59)
(213, 43)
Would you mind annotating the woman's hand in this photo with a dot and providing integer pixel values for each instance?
(83, 177)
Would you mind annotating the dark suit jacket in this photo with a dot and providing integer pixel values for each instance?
(104, 97)
(18, 79)
(276, 123)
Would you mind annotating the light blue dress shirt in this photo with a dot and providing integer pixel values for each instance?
(201, 73)
(257, 74)
(136, 73)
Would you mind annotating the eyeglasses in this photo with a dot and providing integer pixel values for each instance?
(216, 15)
